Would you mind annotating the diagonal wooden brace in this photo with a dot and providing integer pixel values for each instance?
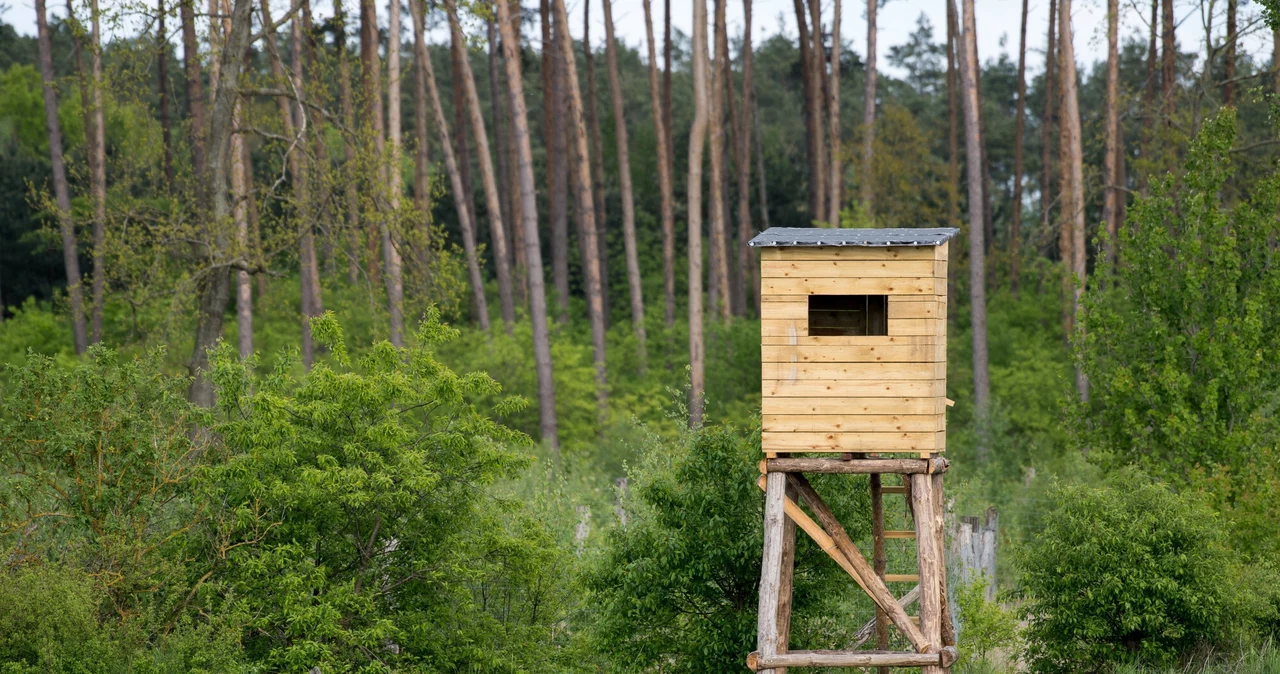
(825, 542)
(874, 587)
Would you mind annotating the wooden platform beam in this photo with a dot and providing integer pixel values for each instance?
(858, 466)
(758, 662)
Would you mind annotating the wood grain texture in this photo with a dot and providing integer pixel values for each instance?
(913, 306)
(759, 662)
(928, 559)
(933, 465)
(798, 339)
(927, 285)
(850, 253)
(771, 565)
(847, 269)
(811, 388)
(829, 423)
(844, 353)
(848, 442)
(825, 405)
(855, 371)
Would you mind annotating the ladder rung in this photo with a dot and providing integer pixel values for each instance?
(893, 490)
(902, 577)
(899, 534)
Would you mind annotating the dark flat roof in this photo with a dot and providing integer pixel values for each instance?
(812, 236)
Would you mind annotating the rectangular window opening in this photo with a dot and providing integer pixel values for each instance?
(848, 315)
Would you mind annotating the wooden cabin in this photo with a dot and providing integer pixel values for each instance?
(853, 339)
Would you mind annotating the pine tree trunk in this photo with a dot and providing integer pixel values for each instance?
(455, 173)
(350, 199)
(835, 183)
(1149, 92)
(162, 90)
(664, 177)
(742, 144)
(697, 139)
(1111, 193)
(812, 127)
(195, 96)
(953, 114)
(306, 208)
(1229, 63)
(215, 285)
(557, 159)
(719, 297)
(1072, 179)
(596, 156)
(818, 68)
(1046, 123)
(372, 111)
(667, 54)
(497, 114)
(1275, 59)
(422, 144)
(462, 131)
(240, 219)
(977, 249)
(737, 283)
(1019, 129)
(869, 115)
(98, 176)
(1168, 60)
(61, 190)
(586, 221)
(394, 273)
(493, 201)
(624, 180)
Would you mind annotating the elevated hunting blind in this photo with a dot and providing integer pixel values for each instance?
(854, 364)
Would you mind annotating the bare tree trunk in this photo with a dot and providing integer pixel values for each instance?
(455, 174)
(306, 208)
(349, 197)
(1072, 157)
(742, 134)
(697, 139)
(977, 249)
(737, 281)
(1046, 123)
(1229, 66)
(667, 52)
(533, 247)
(1111, 155)
(836, 182)
(1168, 62)
(812, 125)
(422, 144)
(461, 128)
(497, 113)
(61, 191)
(597, 156)
(719, 231)
(215, 284)
(371, 85)
(664, 177)
(557, 158)
(394, 273)
(826, 144)
(240, 218)
(98, 176)
(1149, 92)
(953, 114)
(868, 110)
(195, 97)
(162, 89)
(493, 201)
(764, 191)
(624, 179)
(586, 222)
(1275, 59)
(1019, 127)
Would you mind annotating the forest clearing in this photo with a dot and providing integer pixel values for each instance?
(483, 336)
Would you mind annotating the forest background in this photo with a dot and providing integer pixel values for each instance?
(331, 348)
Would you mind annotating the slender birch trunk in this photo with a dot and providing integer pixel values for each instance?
(394, 272)
(953, 113)
(372, 111)
(719, 298)
(306, 208)
(835, 183)
(493, 201)
(977, 249)
(827, 145)
(422, 145)
(587, 225)
(98, 175)
(1072, 178)
(455, 173)
(1046, 125)
(664, 177)
(528, 211)
(667, 51)
(240, 196)
(162, 90)
(697, 139)
(624, 179)
(868, 112)
(742, 137)
(61, 191)
(1111, 193)
(1019, 129)
(350, 200)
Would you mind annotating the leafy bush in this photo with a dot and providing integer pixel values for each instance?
(1124, 571)
(984, 626)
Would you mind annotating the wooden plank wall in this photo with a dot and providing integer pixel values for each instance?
(854, 394)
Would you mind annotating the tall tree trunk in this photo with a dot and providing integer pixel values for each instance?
(240, 194)
(557, 158)
(454, 171)
(1275, 60)
(532, 245)
(394, 274)
(953, 114)
(1147, 147)
(306, 208)
(586, 221)
(1046, 124)
(697, 139)
(664, 177)
(812, 126)
(597, 156)
(1229, 66)
(835, 183)
(869, 113)
(422, 144)
(719, 231)
(1019, 126)
(1168, 60)
(493, 201)
(195, 95)
(503, 146)
(742, 134)
(1111, 193)
(98, 176)
(977, 251)
(371, 85)
(624, 180)
(61, 191)
(764, 191)
(825, 145)
(215, 284)
(350, 197)
(668, 52)
(162, 89)
(1072, 179)
(462, 127)
(737, 282)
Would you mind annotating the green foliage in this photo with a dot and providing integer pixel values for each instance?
(985, 626)
(1124, 571)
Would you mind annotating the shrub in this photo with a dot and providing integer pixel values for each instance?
(984, 625)
(1120, 572)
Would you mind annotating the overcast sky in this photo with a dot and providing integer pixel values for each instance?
(997, 22)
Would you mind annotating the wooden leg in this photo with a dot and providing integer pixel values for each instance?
(771, 568)
(939, 525)
(785, 580)
(878, 560)
(929, 560)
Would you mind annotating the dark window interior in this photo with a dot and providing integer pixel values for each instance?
(848, 315)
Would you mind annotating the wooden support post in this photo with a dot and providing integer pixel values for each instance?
(939, 525)
(759, 662)
(858, 466)
(873, 585)
(785, 579)
(929, 560)
(878, 561)
(825, 543)
(771, 567)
